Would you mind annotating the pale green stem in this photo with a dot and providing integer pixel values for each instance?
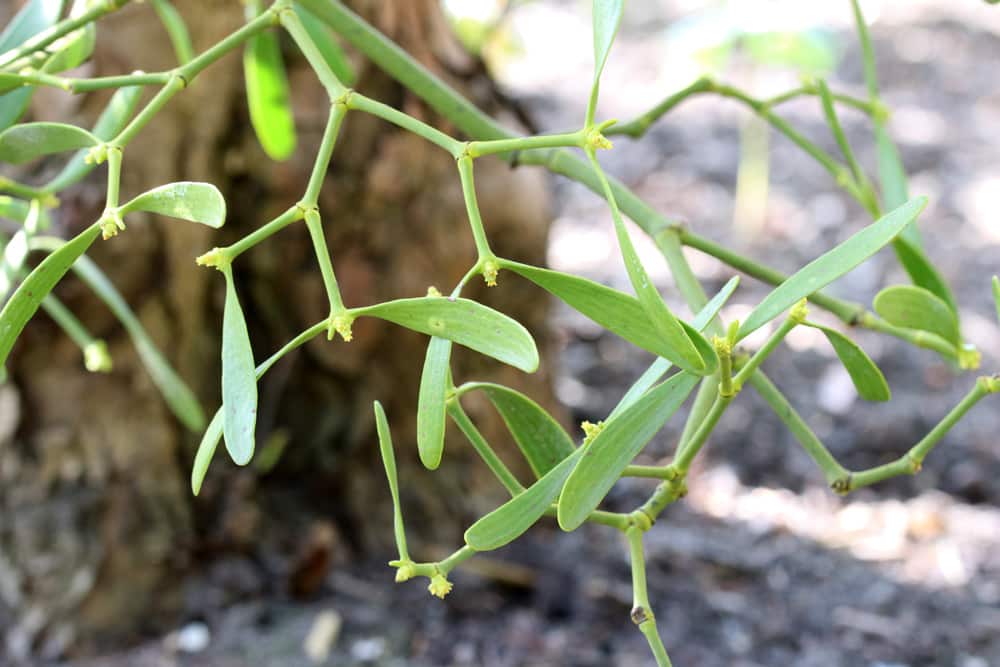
(294, 214)
(642, 612)
(486, 453)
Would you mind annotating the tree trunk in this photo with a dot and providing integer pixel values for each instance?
(97, 524)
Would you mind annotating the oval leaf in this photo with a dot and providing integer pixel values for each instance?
(31, 140)
(28, 296)
(914, 307)
(541, 439)
(267, 96)
(832, 265)
(195, 202)
(239, 379)
(509, 521)
(617, 444)
(867, 377)
(431, 402)
(210, 441)
(465, 322)
(660, 367)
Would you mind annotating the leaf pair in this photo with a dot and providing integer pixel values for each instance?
(449, 320)
(268, 95)
(446, 320)
(832, 265)
(582, 479)
(613, 310)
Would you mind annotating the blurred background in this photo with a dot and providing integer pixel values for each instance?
(106, 559)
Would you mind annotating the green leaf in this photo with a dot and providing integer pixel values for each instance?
(660, 367)
(74, 49)
(206, 450)
(328, 47)
(541, 439)
(678, 340)
(178, 396)
(389, 461)
(921, 271)
(908, 245)
(239, 380)
(867, 377)
(465, 322)
(13, 105)
(9, 82)
(210, 441)
(616, 311)
(28, 296)
(914, 307)
(36, 16)
(832, 265)
(892, 175)
(268, 96)
(607, 15)
(509, 521)
(807, 51)
(195, 202)
(177, 31)
(22, 143)
(112, 120)
(13, 209)
(431, 402)
(616, 445)
(996, 294)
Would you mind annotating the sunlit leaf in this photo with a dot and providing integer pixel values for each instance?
(914, 307)
(465, 322)
(616, 445)
(832, 265)
(509, 521)
(431, 402)
(239, 380)
(22, 143)
(25, 301)
(268, 96)
(867, 377)
(541, 439)
(195, 202)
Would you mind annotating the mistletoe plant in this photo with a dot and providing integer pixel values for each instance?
(570, 479)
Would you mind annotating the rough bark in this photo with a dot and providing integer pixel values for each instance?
(96, 520)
